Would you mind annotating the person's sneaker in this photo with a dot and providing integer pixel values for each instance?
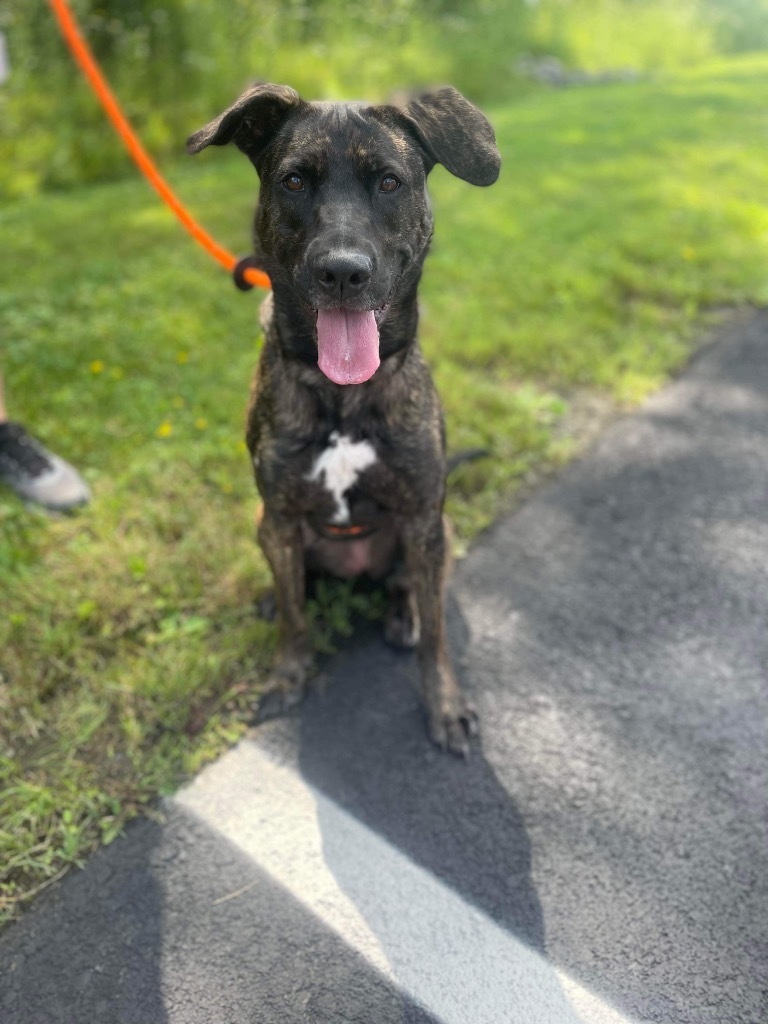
(37, 474)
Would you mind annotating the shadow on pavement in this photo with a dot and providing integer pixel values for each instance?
(363, 744)
(90, 950)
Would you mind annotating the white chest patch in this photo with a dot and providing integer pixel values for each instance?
(340, 465)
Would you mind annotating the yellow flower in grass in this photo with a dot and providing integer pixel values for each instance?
(97, 366)
(182, 357)
(165, 429)
(201, 423)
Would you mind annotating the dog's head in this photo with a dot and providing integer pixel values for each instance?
(343, 221)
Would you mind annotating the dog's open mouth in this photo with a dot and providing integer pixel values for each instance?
(348, 344)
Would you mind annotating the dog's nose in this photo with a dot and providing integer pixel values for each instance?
(341, 273)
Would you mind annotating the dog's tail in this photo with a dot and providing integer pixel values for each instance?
(459, 458)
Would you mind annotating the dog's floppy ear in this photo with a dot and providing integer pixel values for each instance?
(455, 134)
(250, 122)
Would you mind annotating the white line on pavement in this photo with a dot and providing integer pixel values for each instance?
(442, 952)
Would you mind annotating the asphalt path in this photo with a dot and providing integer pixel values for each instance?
(602, 858)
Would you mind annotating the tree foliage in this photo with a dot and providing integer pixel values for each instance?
(174, 63)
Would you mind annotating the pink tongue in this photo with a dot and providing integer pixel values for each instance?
(347, 344)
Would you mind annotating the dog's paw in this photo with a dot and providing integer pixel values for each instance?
(276, 702)
(453, 731)
(285, 689)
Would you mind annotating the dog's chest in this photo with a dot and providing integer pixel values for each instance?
(339, 466)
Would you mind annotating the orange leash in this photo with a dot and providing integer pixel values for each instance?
(87, 63)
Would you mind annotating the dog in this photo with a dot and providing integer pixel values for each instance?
(344, 427)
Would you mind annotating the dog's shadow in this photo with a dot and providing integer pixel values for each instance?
(447, 858)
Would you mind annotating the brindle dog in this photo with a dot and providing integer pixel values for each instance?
(345, 427)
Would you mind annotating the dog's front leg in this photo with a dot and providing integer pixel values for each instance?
(451, 721)
(283, 548)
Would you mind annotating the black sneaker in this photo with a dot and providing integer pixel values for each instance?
(37, 474)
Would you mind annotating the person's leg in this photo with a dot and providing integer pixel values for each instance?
(32, 471)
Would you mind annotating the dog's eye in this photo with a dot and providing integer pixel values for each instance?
(389, 183)
(293, 183)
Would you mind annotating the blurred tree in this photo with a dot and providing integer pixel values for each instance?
(740, 25)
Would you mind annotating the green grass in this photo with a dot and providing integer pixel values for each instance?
(129, 648)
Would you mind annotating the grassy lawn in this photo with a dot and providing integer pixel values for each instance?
(130, 652)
